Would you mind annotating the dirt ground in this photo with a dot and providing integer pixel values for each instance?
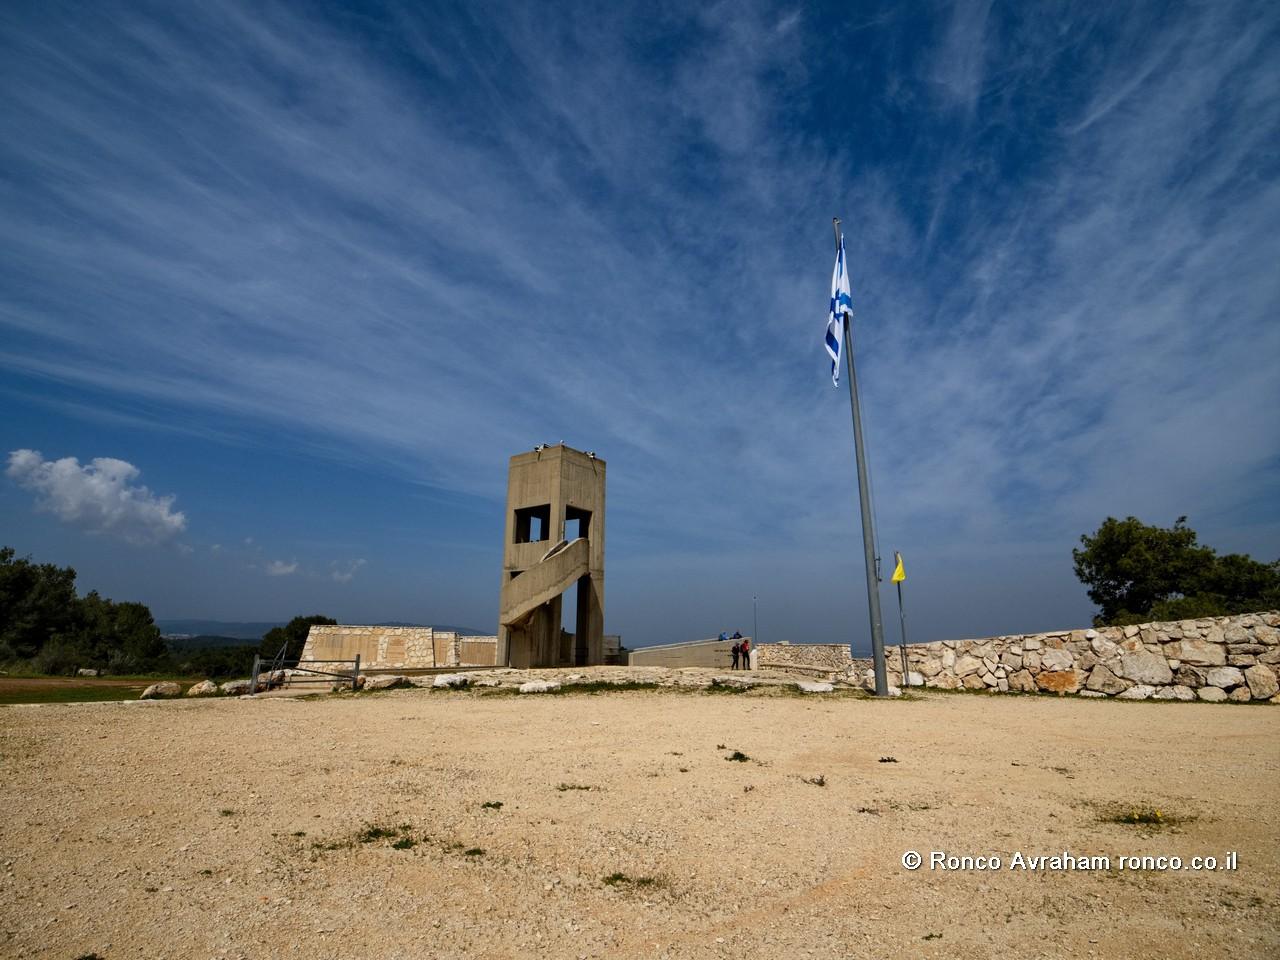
(357, 826)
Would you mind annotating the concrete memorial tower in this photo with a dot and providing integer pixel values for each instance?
(554, 541)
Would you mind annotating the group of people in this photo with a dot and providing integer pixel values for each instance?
(741, 651)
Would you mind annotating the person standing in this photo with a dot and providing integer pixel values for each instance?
(745, 650)
(737, 651)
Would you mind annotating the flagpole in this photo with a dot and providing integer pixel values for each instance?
(864, 501)
(902, 617)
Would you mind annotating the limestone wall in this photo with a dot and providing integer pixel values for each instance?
(1221, 658)
(399, 647)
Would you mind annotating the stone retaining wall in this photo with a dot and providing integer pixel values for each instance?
(399, 647)
(1221, 658)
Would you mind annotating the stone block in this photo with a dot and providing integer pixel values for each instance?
(1056, 660)
(161, 691)
(967, 665)
(1023, 682)
(1139, 691)
(1059, 681)
(1225, 677)
(1202, 653)
(1240, 695)
(1174, 693)
(1212, 694)
(1145, 667)
(973, 682)
(1262, 682)
(1103, 680)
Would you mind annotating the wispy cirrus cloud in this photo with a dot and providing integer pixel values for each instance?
(427, 259)
(98, 496)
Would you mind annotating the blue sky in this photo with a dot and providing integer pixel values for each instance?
(290, 283)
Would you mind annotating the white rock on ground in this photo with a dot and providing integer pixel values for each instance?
(453, 681)
(813, 686)
(538, 686)
(234, 688)
(205, 688)
(1138, 691)
(387, 683)
(161, 690)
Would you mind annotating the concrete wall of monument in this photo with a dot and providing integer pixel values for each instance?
(1233, 658)
(399, 647)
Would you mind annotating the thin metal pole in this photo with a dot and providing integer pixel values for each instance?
(864, 502)
(253, 681)
(902, 617)
(355, 676)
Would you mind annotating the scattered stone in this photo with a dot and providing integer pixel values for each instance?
(234, 688)
(1262, 682)
(452, 681)
(813, 686)
(967, 665)
(387, 683)
(539, 686)
(161, 691)
(205, 688)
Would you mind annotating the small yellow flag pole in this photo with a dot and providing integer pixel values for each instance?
(898, 576)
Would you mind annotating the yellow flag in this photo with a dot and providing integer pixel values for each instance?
(898, 573)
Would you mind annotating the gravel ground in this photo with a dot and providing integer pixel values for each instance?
(357, 826)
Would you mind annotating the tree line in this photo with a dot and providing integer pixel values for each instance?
(46, 627)
(1138, 573)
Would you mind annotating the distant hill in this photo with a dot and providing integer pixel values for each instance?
(233, 629)
(214, 633)
(206, 641)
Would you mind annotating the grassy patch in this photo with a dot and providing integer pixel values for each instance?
(226, 812)
(622, 880)
(818, 781)
(15, 690)
(738, 757)
(491, 805)
(374, 833)
(1139, 816)
(562, 787)
(603, 686)
(404, 843)
(474, 852)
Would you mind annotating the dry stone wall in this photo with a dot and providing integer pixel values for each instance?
(408, 648)
(1215, 659)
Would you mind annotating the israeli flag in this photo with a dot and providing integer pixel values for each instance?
(841, 307)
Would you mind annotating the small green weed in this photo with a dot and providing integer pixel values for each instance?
(1145, 816)
(622, 880)
(474, 852)
(573, 786)
(404, 843)
(491, 805)
(738, 757)
(226, 812)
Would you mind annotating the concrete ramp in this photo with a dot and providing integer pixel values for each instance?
(547, 579)
(695, 653)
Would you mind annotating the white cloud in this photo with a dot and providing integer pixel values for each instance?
(345, 574)
(278, 568)
(98, 496)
